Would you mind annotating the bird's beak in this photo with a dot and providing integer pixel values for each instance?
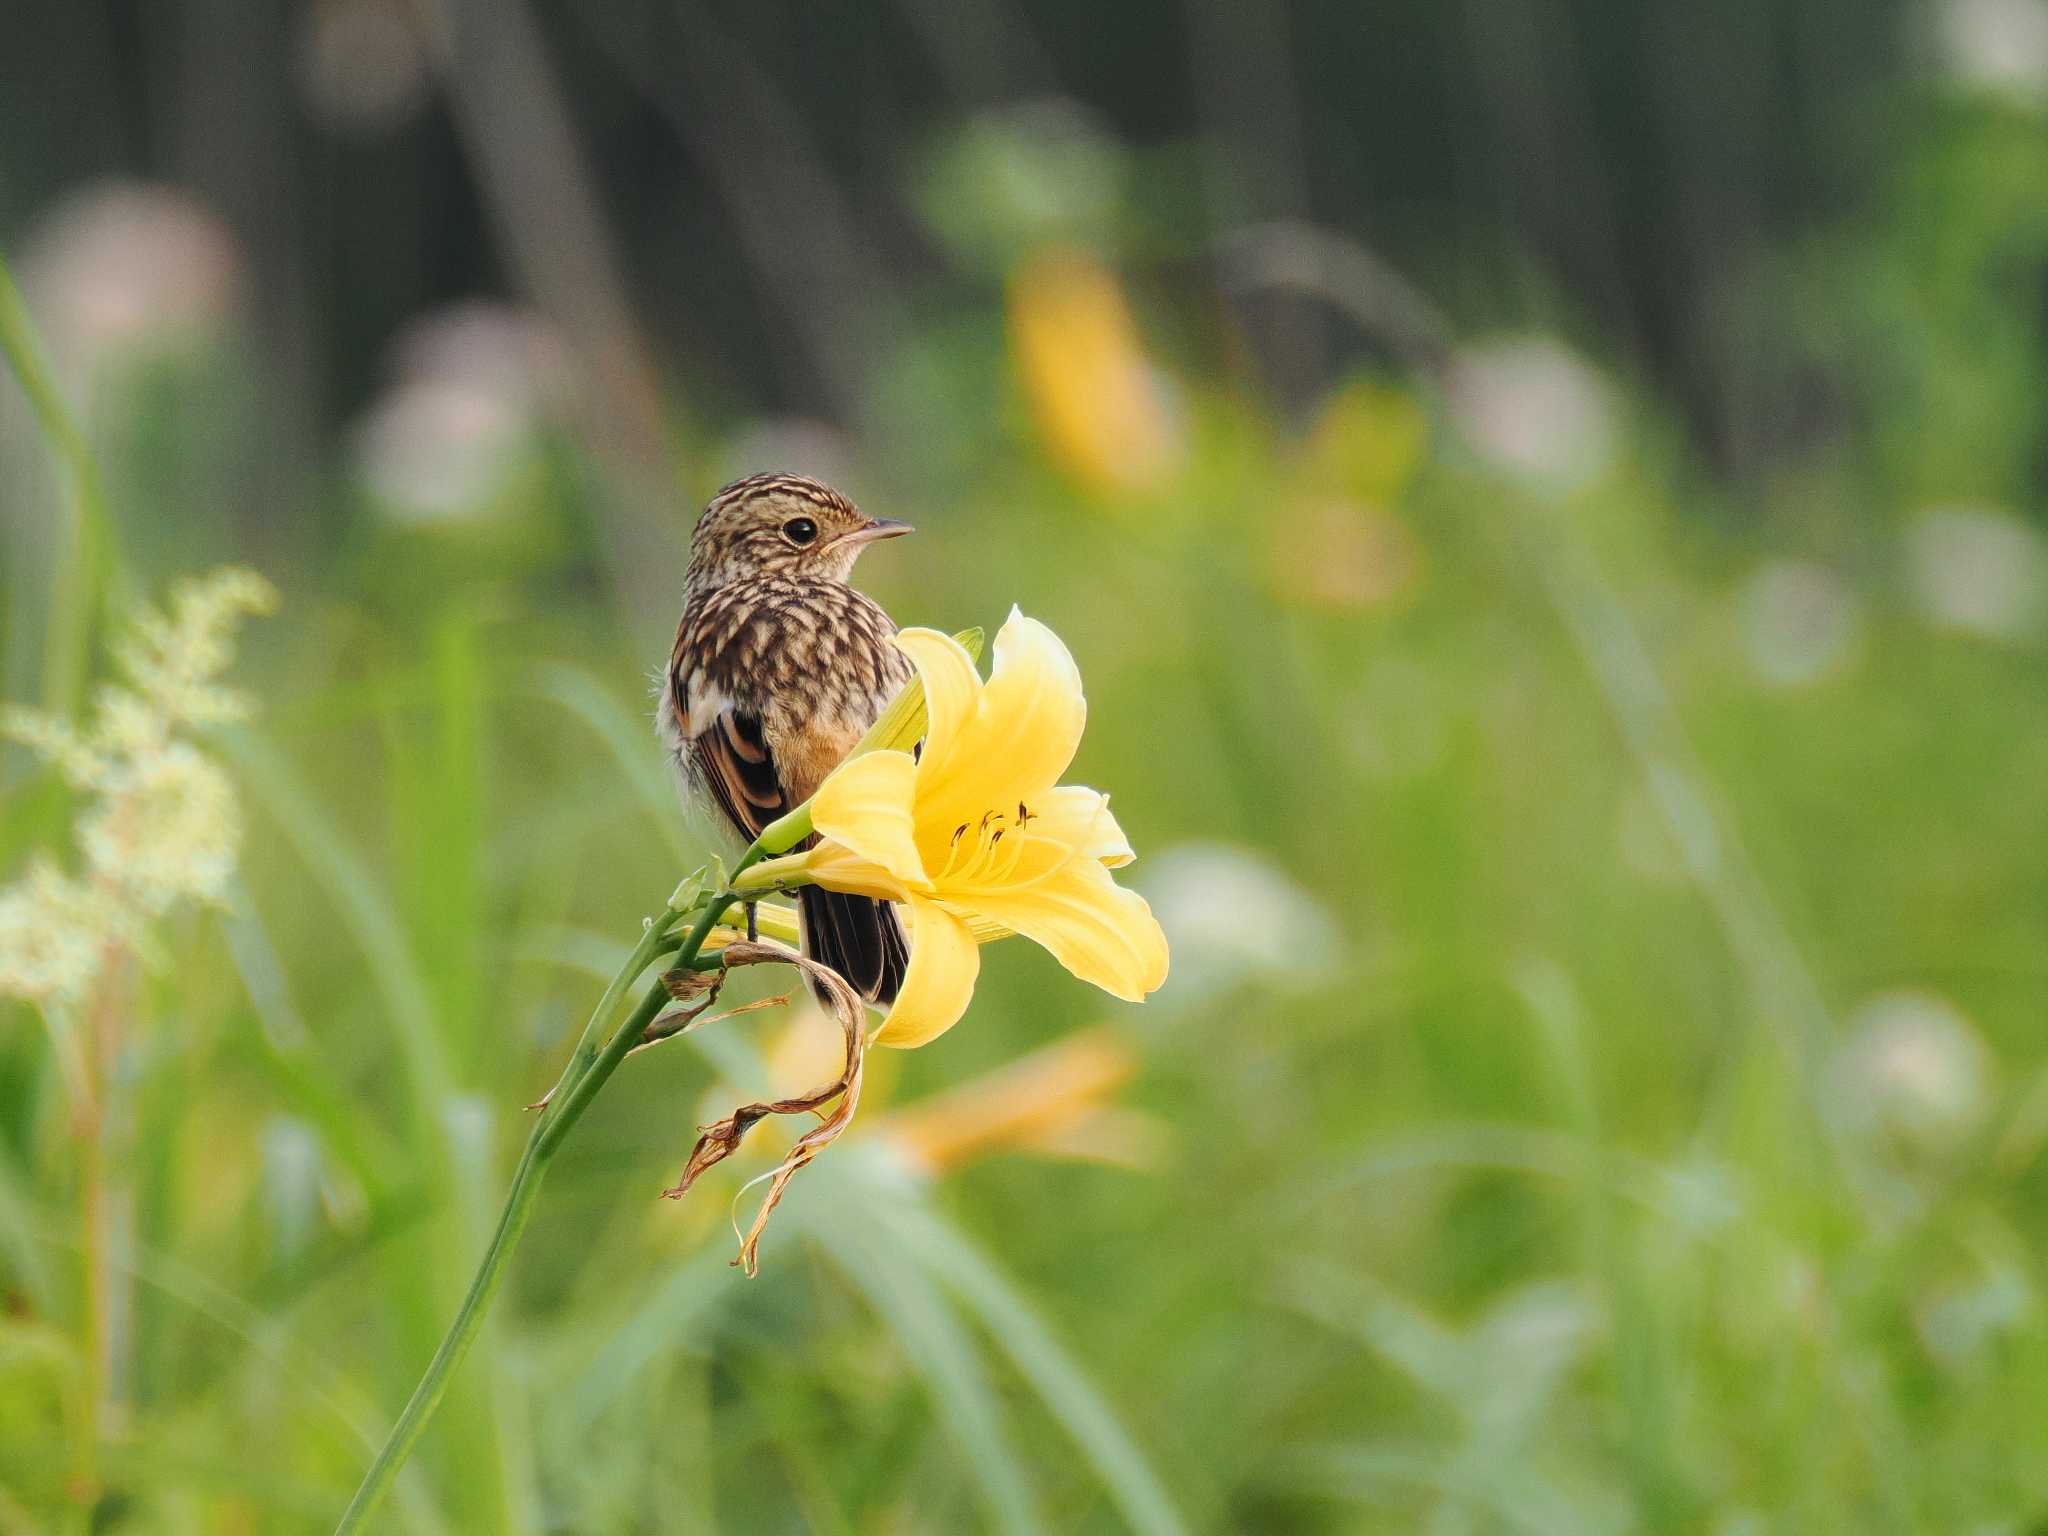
(873, 529)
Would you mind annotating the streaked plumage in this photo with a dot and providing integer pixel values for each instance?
(779, 667)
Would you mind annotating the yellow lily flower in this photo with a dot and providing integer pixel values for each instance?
(976, 837)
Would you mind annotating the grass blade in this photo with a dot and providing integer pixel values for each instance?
(939, 1348)
(1066, 1391)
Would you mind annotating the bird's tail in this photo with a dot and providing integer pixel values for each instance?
(856, 936)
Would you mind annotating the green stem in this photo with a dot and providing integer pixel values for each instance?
(87, 560)
(587, 1069)
(579, 1093)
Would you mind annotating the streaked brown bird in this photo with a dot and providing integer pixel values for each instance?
(779, 668)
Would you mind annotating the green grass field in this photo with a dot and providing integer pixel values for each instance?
(1601, 1087)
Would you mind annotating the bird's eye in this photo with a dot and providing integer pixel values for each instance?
(799, 530)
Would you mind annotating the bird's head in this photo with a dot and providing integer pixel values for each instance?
(781, 525)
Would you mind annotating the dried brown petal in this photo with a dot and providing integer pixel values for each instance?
(718, 1142)
(683, 985)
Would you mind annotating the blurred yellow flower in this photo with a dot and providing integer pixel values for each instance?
(1347, 556)
(1057, 1102)
(1091, 388)
(1341, 546)
(977, 837)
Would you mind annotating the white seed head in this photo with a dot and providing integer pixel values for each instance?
(174, 663)
(163, 824)
(52, 933)
(172, 831)
(56, 743)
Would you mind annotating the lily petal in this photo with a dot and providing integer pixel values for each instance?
(839, 868)
(901, 726)
(1099, 931)
(1081, 818)
(865, 807)
(951, 686)
(944, 963)
(987, 930)
(1025, 728)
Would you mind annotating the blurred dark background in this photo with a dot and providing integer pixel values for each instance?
(750, 172)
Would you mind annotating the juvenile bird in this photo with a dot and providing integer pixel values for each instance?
(779, 668)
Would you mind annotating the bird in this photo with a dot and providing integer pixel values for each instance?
(779, 667)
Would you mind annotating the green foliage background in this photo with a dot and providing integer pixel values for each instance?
(1541, 1148)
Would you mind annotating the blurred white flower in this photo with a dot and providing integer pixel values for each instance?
(1957, 1321)
(361, 65)
(475, 384)
(430, 451)
(1230, 913)
(1996, 46)
(117, 266)
(1798, 621)
(1980, 571)
(1913, 1070)
(1534, 410)
(163, 825)
(485, 346)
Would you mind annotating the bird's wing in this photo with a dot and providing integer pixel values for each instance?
(725, 748)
